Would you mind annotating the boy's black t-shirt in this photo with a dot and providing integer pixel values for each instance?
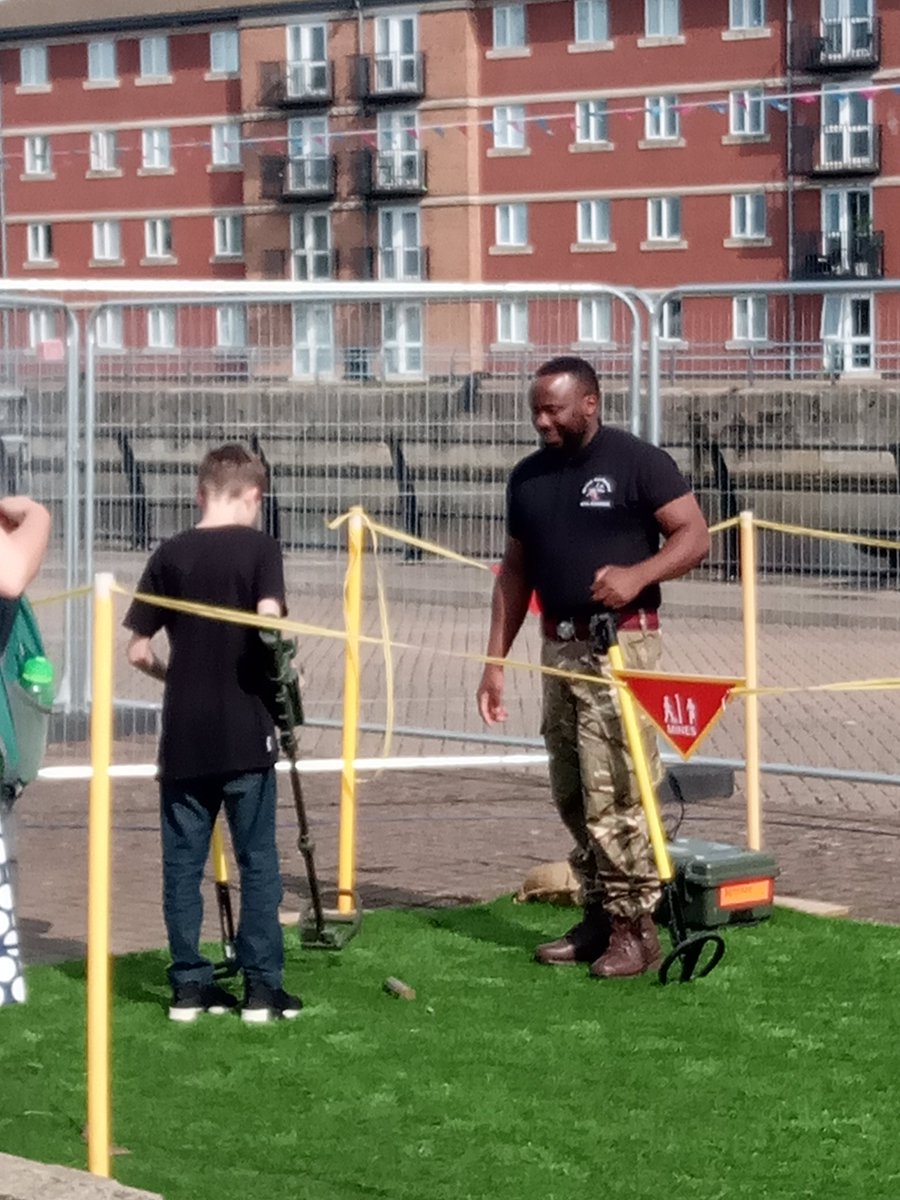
(215, 720)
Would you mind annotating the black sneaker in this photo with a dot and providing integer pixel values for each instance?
(263, 1003)
(189, 1000)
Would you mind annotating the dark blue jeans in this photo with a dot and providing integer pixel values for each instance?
(189, 809)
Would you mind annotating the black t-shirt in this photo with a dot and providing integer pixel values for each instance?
(215, 721)
(576, 513)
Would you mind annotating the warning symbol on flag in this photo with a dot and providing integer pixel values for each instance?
(682, 707)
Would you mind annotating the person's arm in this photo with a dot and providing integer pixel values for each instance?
(509, 604)
(24, 533)
(685, 547)
(142, 656)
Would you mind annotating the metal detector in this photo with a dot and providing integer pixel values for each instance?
(321, 929)
(698, 953)
(229, 964)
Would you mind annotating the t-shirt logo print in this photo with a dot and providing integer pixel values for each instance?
(596, 492)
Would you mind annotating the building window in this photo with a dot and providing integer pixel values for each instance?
(512, 225)
(156, 150)
(591, 21)
(595, 320)
(103, 150)
(107, 241)
(226, 144)
(228, 236)
(38, 159)
(748, 14)
(307, 60)
(313, 340)
(158, 237)
(311, 256)
(396, 54)
(102, 61)
(748, 216)
(661, 122)
(664, 219)
(593, 222)
(750, 318)
(33, 71)
(108, 329)
(40, 243)
(512, 322)
(747, 113)
(41, 326)
(670, 321)
(224, 52)
(399, 244)
(509, 127)
(310, 165)
(591, 121)
(662, 18)
(231, 326)
(509, 26)
(154, 57)
(161, 327)
(399, 159)
(401, 339)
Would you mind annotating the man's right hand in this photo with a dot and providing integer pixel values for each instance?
(490, 695)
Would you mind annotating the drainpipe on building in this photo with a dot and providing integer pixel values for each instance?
(789, 144)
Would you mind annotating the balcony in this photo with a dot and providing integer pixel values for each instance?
(820, 255)
(295, 85)
(844, 44)
(395, 264)
(837, 150)
(311, 178)
(388, 173)
(382, 78)
(314, 265)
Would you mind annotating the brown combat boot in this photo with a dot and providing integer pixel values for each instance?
(582, 944)
(633, 949)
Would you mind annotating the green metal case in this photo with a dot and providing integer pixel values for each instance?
(721, 884)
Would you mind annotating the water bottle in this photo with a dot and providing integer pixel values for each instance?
(36, 677)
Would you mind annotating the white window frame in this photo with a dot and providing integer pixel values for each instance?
(307, 74)
(108, 329)
(231, 326)
(591, 122)
(399, 255)
(39, 242)
(664, 222)
(41, 327)
(512, 323)
(747, 113)
(104, 151)
(225, 140)
(509, 127)
(591, 22)
(662, 121)
(592, 222)
(38, 155)
(403, 354)
(511, 225)
(595, 321)
(158, 238)
(396, 63)
(670, 326)
(34, 67)
(224, 52)
(750, 318)
(106, 241)
(510, 27)
(662, 18)
(747, 14)
(156, 149)
(102, 61)
(748, 216)
(154, 57)
(311, 254)
(314, 355)
(161, 327)
(228, 235)
(843, 350)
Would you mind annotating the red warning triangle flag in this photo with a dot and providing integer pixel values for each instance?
(682, 707)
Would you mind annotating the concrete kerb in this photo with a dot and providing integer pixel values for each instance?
(22, 1179)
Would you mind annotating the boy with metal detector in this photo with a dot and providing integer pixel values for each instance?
(218, 746)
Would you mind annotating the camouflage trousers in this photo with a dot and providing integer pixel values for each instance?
(592, 776)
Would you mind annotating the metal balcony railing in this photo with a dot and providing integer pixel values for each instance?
(396, 264)
(312, 177)
(295, 85)
(385, 77)
(834, 150)
(842, 44)
(308, 265)
(391, 172)
(819, 255)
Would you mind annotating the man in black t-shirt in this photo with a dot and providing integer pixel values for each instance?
(218, 745)
(585, 515)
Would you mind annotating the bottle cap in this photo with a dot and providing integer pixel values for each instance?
(37, 671)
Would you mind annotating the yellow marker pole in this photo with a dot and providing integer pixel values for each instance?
(220, 862)
(353, 619)
(99, 864)
(635, 739)
(751, 674)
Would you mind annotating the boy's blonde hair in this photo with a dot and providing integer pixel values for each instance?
(229, 471)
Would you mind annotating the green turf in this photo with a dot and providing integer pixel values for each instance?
(777, 1076)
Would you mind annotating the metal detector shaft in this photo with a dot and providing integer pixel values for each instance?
(304, 841)
(223, 901)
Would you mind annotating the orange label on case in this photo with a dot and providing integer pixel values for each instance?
(746, 894)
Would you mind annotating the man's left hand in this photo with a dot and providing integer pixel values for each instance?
(615, 587)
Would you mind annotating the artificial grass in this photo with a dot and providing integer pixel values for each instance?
(776, 1076)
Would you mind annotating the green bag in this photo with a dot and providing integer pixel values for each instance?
(26, 696)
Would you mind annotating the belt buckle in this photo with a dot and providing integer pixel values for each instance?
(565, 630)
